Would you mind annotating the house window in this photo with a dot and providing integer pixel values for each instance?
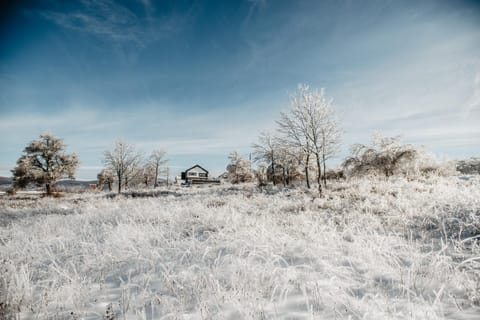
(192, 174)
(202, 175)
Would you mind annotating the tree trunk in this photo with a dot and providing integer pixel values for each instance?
(324, 170)
(119, 185)
(388, 173)
(49, 189)
(109, 187)
(319, 175)
(306, 171)
(273, 170)
(284, 176)
(155, 183)
(323, 160)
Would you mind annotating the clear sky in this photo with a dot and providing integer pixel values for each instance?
(202, 78)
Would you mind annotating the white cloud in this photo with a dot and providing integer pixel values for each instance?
(103, 18)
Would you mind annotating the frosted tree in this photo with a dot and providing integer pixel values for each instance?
(265, 151)
(330, 134)
(148, 175)
(293, 126)
(140, 176)
(278, 156)
(239, 169)
(310, 125)
(261, 175)
(156, 161)
(123, 161)
(105, 177)
(386, 155)
(287, 164)
(167, 175)
(43, 163)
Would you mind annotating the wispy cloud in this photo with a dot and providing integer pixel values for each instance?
(115, 22)
(226, 70)
(254, 6)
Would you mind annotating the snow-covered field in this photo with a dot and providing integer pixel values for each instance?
(369, 249)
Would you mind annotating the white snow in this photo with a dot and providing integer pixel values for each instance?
(368, 249)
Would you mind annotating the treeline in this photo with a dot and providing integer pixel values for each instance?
(296, 152)
(309, 134)
(127, 167)
(45, 161)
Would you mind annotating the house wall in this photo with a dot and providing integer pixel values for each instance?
(196, 171)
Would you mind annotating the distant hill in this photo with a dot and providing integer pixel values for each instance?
(5, 180)
(74, 182)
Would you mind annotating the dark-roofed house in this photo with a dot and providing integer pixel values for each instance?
(195, 173)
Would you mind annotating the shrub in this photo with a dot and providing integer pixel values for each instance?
(386, 156)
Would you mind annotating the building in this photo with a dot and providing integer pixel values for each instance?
(195, 174)
(223, 176)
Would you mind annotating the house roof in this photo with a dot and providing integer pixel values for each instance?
(223, 175)
(197, 166)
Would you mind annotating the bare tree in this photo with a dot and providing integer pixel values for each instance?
(310, 125)
(293, 126)
(167, 175)
(123, 160)
(148, 175)
(287, 164)
(44, 162)
(331, 140)
(156, 161)
(261, 175)
(141, 176)
(239, 169)
(265, 151)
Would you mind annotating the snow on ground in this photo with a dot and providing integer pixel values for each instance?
(369, 249)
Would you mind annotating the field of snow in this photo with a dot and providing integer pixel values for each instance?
(369, 249)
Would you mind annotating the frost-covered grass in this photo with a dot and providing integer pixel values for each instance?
(369, 249)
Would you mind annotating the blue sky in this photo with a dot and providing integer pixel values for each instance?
(202, 78)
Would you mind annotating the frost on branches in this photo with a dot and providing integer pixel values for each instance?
(124, 162)
(44, 162)
(155, 162)
(105, 178)
(386, 156)
(239, 170)
(312, 127)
